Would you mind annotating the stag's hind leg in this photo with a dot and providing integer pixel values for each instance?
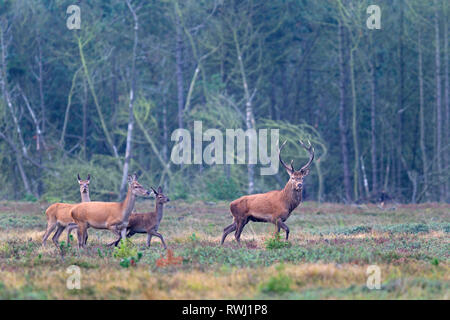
(239, 227)
(227, 231)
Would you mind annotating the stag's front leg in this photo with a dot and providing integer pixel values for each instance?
(282, 225)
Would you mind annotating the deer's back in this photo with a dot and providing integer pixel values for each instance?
(97, 214)
(262, 206)
(60, 212)
(141, 222)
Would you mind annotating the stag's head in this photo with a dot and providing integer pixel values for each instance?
(160, 197)
(84, 184)
(136, 188)
(296, 176)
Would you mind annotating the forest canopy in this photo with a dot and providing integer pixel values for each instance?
(105, 98)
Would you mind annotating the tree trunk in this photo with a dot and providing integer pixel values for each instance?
(179, 69)
(128, 147)
(438, 104)
(422, 119)
(398, 166)
(249, 116)
(342, 107)
(85, 98)
(373, 129)
(447, 111)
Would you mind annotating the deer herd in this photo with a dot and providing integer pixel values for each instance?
(274, 206)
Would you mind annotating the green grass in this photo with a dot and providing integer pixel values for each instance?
(327, 255)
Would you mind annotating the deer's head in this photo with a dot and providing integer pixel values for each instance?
(84, 184)
(296, 176)
(160, 197)
(136, 188)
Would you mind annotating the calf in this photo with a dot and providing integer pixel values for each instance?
(148, 222)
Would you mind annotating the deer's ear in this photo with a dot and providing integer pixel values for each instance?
(78, 176)
(89, 177)
(129, 179)
(304, 172)
(135, 176)
(160, 189)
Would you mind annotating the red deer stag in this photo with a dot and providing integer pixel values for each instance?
(148, 222)
(58, 214)
(274, 206)
(113, 216)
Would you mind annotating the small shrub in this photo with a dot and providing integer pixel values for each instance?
(171, 260)
(435, 261)
(127, 253)
(193, 237)
(29, 198)
(275, 242)
(278, 284)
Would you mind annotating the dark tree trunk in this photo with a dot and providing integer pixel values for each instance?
(179, 69)
(373, 129)
(422, 119)
(438, 104)
(342, 122)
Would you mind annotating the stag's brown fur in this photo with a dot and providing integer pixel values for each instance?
(274, 206)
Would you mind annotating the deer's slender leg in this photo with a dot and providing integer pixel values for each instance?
(81, 235)
(58, 234)
(282, 225)
(149, 239)
(85, 237)
(227, 231)
(70, 227)
(239, 227)
(156, 234)
(118, 232)
(50, 227)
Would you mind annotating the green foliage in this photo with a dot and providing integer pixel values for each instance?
(29, 198)
(278, 284)
(62, 185)
(222, 188)
(275, 242)
(127, 253)
(193, 237)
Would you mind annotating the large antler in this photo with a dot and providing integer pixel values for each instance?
(310, 150)
(291, 169)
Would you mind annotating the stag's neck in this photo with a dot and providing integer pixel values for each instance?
(291, 197)
(85, 197)
(128, 205)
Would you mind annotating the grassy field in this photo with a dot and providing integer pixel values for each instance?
(330, 248)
